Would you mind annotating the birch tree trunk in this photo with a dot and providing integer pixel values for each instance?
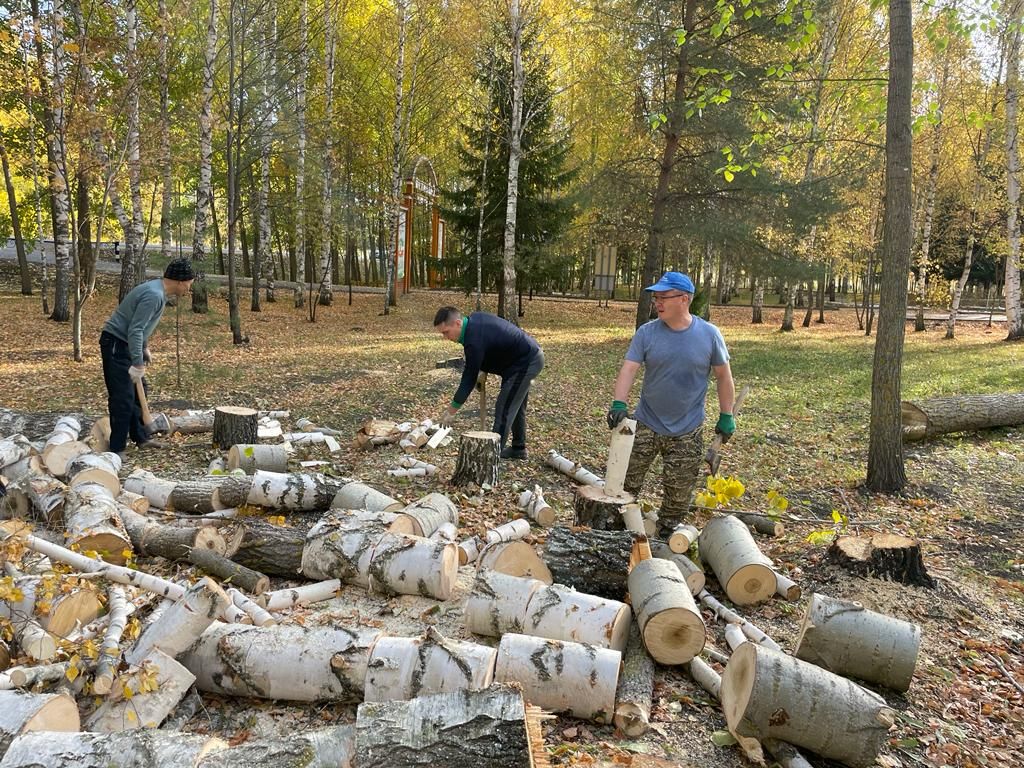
(58, 176)
(1014, 316)
(509, 303)
(132, 263)
(19, 241)
(163, 37)
(203, 188)
(326, 231)
(397, 155)
(300, 161)
(263, 264)
(886, 471)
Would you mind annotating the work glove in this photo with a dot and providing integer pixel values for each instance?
(446, 418)
(616, 414)
(136, 372)
(726, 426)
(147, 358)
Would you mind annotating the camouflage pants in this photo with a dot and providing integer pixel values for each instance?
(681, 459)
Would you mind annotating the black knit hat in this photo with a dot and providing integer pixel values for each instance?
(181, 270)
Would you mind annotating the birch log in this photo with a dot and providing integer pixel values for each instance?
(59, 605)
(560, 676)
(534, 506)
(464, 728)
(636, 687)
(332, 747)
(694, 576)
(62, 445)
(233, 425)
(619, 449)
(283, 599)
(110, 649)
(287, 662)
(762, 524)
(849, 640)
(411, 565)
(576, 471)
(92, 523)
(22, 712)
(182, 623)
(135, 502)
(670, 624)
(145, 483)
(38, 497)
(497, 603)
(17, 457)
(154, 539)
(340, 546)
(561, 613)
(510, 531)
(426, 515)
(134, 749)
(682, 538)
(595, 562)
(743, 571)
(228, 571)
(356, 495)
(99, 468)
(256, 612)
(478, 459)
(292, 491)
(250, 457)
(402, 668)
(516, 558)
(770, 695)
(156, 690)
(446, 532)
(786, 588)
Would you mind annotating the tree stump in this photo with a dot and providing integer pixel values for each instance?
(770, 695)
(849, 640)
(600, 510)
(595, 562)
(885, 556)
(234, 425)
(478, 459)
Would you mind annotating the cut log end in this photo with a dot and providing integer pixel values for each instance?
(751, 584)
(887, 556)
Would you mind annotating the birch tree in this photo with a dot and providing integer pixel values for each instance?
(163, 70)
(58, 173)
(300, 163)
(326, 291)
(394, 202)
(1014, 318)
(204, 186)
(508, 305)
(133, 265)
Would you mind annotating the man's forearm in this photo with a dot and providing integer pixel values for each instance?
(726, 392)
(624, 381)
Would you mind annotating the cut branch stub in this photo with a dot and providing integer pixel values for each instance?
(743, 571)
(770, 695)
(848, 639)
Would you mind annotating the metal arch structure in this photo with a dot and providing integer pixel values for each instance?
(416, 188)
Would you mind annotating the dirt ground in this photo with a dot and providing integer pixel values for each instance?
(966, 704)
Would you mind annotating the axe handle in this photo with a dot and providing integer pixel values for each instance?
(481, 384)
(140, 391)
(712, 456)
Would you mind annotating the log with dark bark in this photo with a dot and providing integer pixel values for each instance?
(465, 728)
(233, 425)
(636, 687)
(964, 413)
(154, 539)
(197, 497)
(229, 571)
(596, 562)
(762, 524)
(478, 459)
(331, 747)
(272, 549)
(140, 748)
(886, 556)
(600, 510)
(36, 426)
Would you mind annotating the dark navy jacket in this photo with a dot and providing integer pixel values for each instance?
(492, 345)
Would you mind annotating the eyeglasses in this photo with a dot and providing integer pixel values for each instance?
(666, 298)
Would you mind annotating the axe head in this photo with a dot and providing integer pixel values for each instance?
(159, 424)
(713, 459)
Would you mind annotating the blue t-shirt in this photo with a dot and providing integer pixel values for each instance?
(677, 365)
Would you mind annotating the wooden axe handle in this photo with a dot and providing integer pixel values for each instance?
(481, 385)
(140, 391)
(712, 457)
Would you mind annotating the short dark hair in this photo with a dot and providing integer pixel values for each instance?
(180, 270)
(446, 315)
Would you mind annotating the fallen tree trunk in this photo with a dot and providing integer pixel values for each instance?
(595, 562)
(92, 523)
(923, 419)
(849, 640)
(288, 662)
(464, 728)
(402, 668)
(670, 624)
(636, 688)
(332, 747)
(148, 748)
(770, 695)
(22, 712)
(885, 556)
(561, 676)
(744, 572)
(146, 706)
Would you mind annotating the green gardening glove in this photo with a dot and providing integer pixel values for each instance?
(726, 426)
(616, 413)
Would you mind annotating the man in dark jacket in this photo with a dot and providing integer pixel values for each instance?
(494, 345)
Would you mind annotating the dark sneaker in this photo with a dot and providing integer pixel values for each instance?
(515, 454)
(153, 445)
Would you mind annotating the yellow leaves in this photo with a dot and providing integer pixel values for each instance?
(10, 593)
(132, 628)
(777, 502)
(74, 668)
(91, 649)
(721, 491)
(129, 557)
(276, 520)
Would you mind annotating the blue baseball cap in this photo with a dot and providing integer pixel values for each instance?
(673, 280)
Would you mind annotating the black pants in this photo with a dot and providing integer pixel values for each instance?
(510, 406)
(122, 402)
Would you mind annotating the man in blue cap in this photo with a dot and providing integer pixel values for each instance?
(679, 352)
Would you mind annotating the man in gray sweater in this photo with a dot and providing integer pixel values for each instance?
(124, 345)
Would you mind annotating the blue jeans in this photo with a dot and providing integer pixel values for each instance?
(122, 402)
(510, 406)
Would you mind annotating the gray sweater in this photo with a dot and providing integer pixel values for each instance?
(137, 316)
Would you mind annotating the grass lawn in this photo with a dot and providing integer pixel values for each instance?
(803, 433)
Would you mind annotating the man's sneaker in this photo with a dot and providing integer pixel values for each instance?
(153, 445)
(514, 453)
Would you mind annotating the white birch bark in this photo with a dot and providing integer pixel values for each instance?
(58, 176)
(132, 263)
(182, 623)
(167, 186)
(24, 712)
(326, 225)
(300, 160)
(515, 140)
(144, 707)
(397, 156)
(203, 188)
(1014, 315)
(151, 748)
(110, 649)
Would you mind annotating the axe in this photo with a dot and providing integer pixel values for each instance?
(712, 457)
(153, 424)
(481, 387)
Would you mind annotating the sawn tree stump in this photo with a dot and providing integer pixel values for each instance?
(885, 556)
(598, 509)
(478, 459)
(234, 425)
